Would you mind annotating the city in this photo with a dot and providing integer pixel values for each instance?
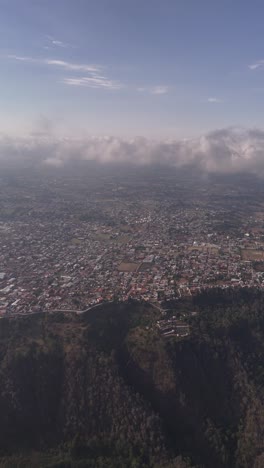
(69, 242)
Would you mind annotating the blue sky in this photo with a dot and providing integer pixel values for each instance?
(157, 68)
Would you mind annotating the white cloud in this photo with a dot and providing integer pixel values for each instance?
(54, 42)
(93, 75)
(159, 90)
(225, 151)
(59, 64)
(73, 66)
(94, 78)
(154, 89)
(58, 43)
(214, 100)
(257, 65)
(21, 58)
(54, 162)
(94, 81)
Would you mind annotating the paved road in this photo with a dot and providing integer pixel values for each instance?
(56, 311)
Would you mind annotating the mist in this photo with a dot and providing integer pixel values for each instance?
(230, 150)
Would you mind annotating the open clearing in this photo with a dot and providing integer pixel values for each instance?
(252, 254)
(128, 267)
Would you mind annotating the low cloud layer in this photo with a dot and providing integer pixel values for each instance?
(225, 151)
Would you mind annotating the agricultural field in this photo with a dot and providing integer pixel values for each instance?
(252, 254)
(128, 267)
(209, 248)
(102, 237)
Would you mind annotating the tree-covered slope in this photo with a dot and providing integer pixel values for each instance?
(63, 399)
(107, 389)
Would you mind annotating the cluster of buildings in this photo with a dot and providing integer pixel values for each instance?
(66, 247)
(173, 327)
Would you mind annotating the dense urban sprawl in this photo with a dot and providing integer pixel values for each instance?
(69, 242)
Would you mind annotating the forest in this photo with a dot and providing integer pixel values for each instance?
(106, 389)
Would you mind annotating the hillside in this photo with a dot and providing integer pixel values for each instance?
(106, 389)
